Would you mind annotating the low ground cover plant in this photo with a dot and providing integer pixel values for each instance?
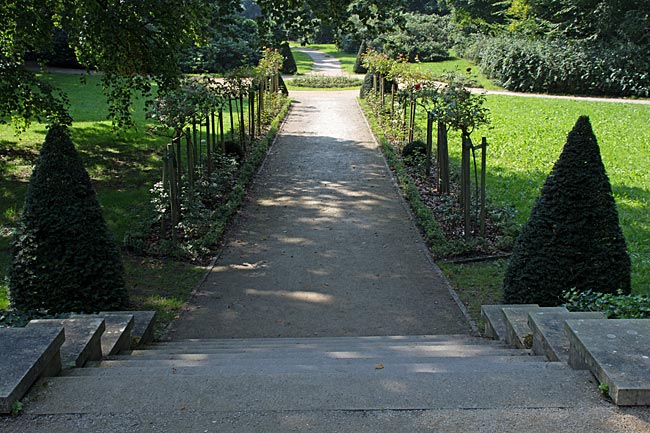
(615, 305)
(326, 82)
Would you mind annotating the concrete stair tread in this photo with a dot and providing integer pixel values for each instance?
(352, 352)
(282, 341)
(143, 325)
(617, 352)
(549, 336)
(381, 390)
(82, 338)
(117, 332)
(26, 354)
(518, 333)
(198, 361)
(356, 367)
(495, 322)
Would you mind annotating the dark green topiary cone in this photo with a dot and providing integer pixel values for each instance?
(289, 64)
(63, 257)
(573, 238)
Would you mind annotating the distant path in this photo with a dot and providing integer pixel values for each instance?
(324, 64)
(324, 246)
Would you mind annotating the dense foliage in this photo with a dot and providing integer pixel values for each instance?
(288, 62)
(231, 45)
(559, 65)
(573, 238)
(424, 38)
(63, 257)
(615, 306)
(569, 46)
(125, 40)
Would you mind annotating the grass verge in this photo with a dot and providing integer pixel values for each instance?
(460, 66)
(476, 284)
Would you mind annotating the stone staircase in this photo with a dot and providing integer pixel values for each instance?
(289, 384)
(315, 374)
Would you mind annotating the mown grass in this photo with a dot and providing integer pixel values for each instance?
(476, 283)
(460, 66)
(525, 139)
(304, 62)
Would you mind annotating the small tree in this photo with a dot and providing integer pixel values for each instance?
(63, 257)
(573, 238)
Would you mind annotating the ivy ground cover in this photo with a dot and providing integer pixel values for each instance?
(525, 139)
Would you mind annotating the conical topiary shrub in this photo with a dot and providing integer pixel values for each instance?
(358, 67)
(63, 257)
(289, 63)
(366, 86)
(573, 238)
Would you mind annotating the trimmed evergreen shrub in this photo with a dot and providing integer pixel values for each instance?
(415, 148)
(283, 86)
(63, 257)
(358, 67)
(573, 238)
(366, 86)
(289, 63)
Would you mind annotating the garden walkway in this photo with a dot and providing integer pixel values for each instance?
(324, 245)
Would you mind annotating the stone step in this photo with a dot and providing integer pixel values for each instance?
(549, 335)
(117, 333)
(313, 346)
(82, 338)
(489, 365)
(143, 326)
(25, 355)
(290, 341)
(378, 390)
(518, 333)
(495, 321)
(617, 352)
(254, 364)
(351, 352)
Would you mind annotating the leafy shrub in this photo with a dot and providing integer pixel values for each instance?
(615, 306)
(573, 238)
(63, 257)
(426, 37)
(358, 67)
(557, 65)
(326, 82)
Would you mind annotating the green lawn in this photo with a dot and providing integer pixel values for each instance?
(460, 66)
(526, 138)
(304, 63)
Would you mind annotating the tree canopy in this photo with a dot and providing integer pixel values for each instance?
(131, 43)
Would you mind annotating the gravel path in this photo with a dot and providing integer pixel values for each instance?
(324, 245)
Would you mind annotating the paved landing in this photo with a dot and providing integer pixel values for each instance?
(323, 246)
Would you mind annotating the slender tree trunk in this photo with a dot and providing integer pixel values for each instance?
(443, 159)
(427, 167)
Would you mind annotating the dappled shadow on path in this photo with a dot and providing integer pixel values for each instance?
(323, 247)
